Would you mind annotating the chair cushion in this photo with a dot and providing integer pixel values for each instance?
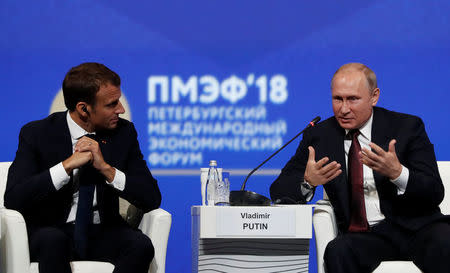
(397, 266)
(83, 267)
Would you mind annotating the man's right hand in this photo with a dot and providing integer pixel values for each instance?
(76, 160)
(318, 174)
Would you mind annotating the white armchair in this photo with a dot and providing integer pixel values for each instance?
(325, 228)
(14, 252)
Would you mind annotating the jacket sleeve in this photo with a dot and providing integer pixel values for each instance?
(288, 183)
(141, 189)
(424, 183)
(27, 183)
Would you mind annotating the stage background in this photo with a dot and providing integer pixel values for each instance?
(224, 80)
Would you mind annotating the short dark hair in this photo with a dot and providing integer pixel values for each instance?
(82, 83)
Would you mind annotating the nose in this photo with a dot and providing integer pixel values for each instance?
(120, 109)
(345, 109)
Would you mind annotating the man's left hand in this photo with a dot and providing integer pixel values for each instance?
(381, 161)
(88, 144)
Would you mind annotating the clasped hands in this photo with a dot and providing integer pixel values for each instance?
(379, 160)
(87, 150)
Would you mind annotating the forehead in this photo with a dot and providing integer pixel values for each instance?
(108, 92)
(349, 81)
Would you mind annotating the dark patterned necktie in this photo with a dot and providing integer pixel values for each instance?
(84, 215)
(358, 219)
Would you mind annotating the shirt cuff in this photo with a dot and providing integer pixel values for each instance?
(402, 181)
(118, 181)
(59, 176)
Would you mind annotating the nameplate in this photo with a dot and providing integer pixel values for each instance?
(255, 221)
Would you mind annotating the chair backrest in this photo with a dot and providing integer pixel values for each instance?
(444, 171)
(4, 167)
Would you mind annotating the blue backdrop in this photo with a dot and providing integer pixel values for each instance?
(225, 80)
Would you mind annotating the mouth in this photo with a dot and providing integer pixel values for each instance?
(344, 119)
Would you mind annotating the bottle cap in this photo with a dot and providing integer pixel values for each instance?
(212, 163)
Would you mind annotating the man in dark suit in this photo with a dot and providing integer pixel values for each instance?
(61, 175)
(379, 170)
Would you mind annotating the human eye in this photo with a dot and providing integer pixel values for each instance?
(113, 104)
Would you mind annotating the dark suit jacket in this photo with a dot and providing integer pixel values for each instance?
(412, 210)
(45, 143)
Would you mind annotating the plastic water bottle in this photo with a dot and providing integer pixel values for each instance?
(223, 189)
(213, 178)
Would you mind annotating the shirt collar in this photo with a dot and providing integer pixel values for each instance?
(366, 129)
(75, 130)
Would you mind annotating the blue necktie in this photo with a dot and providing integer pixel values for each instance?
(83, 221)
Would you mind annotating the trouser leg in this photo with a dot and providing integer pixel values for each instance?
(430, 248)
(51, 248)
(128, 249)
(357, 252)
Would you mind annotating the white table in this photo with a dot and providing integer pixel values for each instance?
(251, 239)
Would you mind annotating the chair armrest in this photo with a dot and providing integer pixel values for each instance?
(14, 253)
(325, 229)
(156, 225)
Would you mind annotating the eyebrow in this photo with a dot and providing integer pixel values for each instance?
(113, 102)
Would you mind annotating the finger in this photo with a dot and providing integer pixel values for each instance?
(82, 145)
(83, 157)
(374, 165)
(334, 175)
(85, 139)
(370, 155)
(366, 160)
(330, 166)
(377, 148)
(333, 168)
(86, 148)
(369, 163)
(312, 154)
(77, 147)
(392, 146)
(82, 141)
(88, 156)
(320, 163)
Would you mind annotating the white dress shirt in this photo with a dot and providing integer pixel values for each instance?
(61, 178)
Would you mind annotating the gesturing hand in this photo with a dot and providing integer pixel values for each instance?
(381, 161)
(317, 173)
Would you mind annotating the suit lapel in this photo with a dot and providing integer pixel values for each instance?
(339, 186)
(380, 136)
(338, 149)
(104, 142)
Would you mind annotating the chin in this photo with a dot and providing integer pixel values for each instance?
(348, 126)
(114, 124)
